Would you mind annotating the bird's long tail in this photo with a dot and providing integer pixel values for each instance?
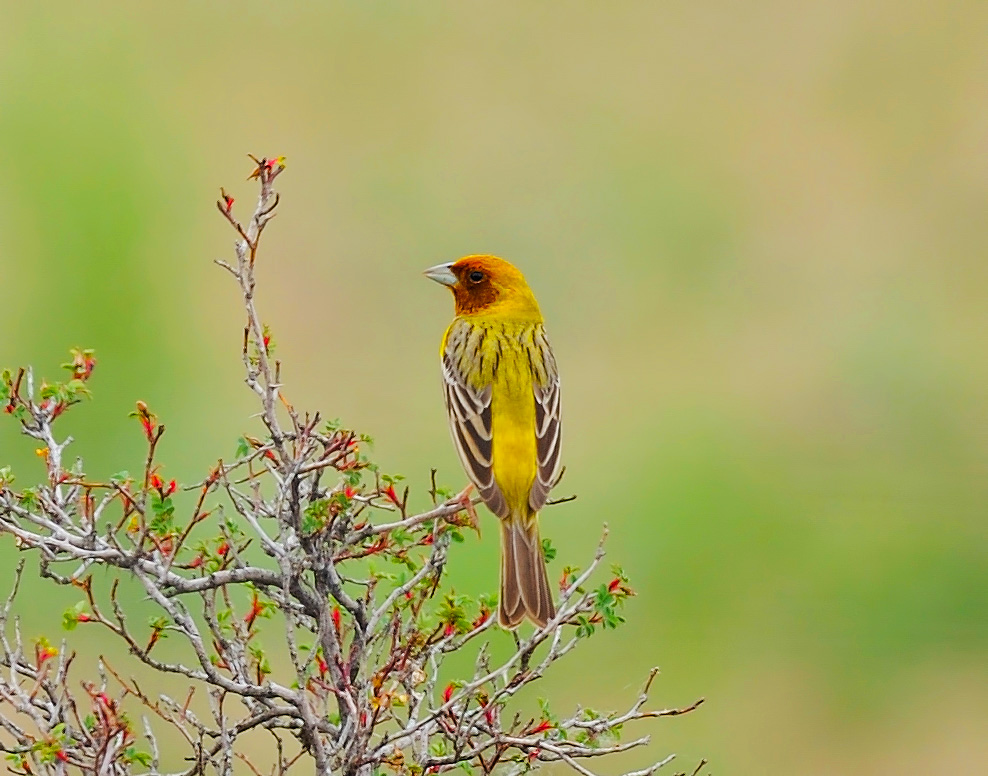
(524, 584)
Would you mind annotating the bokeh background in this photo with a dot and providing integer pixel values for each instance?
(757, 231)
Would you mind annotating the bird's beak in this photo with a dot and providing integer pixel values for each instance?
(442, 273)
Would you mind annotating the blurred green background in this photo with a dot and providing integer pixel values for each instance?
(757, 231)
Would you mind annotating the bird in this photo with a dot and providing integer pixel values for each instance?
(501, 387)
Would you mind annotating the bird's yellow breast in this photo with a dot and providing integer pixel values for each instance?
(499, 354)
(513, 429)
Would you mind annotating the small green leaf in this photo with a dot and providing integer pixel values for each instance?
(76, 387)
(28, 498)
(438, 747)
(316, 516)
(133, 755)
(548, 551)
(584, 628)
(163, 510)
(70, 617)
(243, 448)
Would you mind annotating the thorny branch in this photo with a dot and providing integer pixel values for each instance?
(322, 545)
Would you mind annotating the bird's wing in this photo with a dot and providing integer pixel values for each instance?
(545, 385)
(469, 412)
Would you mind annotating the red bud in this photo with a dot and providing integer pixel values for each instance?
(256, 607)
(543, 726)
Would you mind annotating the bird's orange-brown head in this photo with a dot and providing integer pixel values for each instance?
(487, 286)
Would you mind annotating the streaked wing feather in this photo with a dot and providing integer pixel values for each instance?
(547, 425)
(469, 413)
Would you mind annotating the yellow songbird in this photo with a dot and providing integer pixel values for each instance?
(502, 397)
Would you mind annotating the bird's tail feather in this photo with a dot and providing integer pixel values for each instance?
(524, 584)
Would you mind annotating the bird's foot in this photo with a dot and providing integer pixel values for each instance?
(465, 497)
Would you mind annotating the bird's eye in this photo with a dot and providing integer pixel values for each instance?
(476, 276)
